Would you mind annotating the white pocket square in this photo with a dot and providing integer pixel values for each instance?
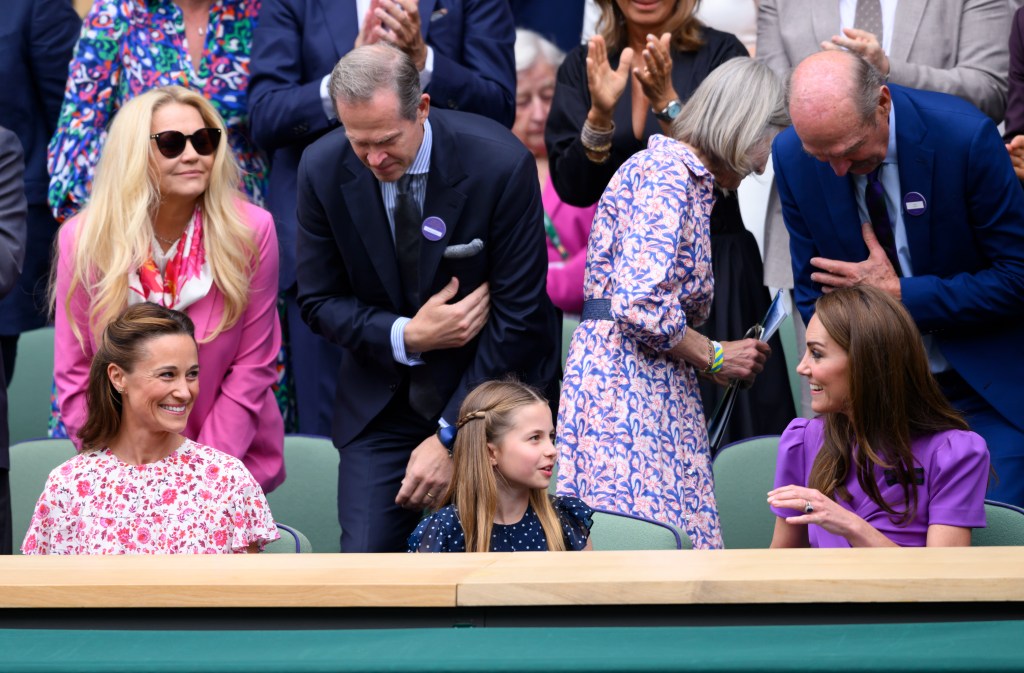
(464, 250)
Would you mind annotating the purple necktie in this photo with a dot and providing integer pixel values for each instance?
(874, 199)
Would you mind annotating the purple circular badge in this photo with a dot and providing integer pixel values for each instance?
(433, 228)
(914, 203)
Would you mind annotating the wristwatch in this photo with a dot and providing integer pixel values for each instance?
(670, 112)
(446, 436)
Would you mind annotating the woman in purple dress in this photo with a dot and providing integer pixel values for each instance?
(631, 426)
(888, 462)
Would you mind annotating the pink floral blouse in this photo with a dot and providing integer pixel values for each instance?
(198, 500)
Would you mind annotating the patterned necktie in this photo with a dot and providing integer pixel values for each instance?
(407, 242)
(874, 199)
(869, 17)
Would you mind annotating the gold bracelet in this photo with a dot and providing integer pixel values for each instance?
(711, 357)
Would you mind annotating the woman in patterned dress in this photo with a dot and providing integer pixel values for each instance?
(128, 47)
(139, 486)
(166, 224)
(631, 430)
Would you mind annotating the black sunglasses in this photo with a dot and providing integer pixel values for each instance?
(172, 143)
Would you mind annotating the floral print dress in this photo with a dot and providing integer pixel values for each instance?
(631, 429)
(128, 47)
(198, 500)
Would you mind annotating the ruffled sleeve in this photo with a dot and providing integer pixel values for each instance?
(798, 447)
(439, 532)
(577, 518)
(53, 529)
(251, 520)
(958, 480)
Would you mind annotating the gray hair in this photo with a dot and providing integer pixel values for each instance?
(530, 46)
(741, 104)
(362, 72)
(867, 81)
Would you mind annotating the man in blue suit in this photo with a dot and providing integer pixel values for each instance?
(463, 50)
(949, 241)
(37, 37)
(421, 253)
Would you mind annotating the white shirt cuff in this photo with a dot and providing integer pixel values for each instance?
(398, 344)
(428, 68)
(325, 98)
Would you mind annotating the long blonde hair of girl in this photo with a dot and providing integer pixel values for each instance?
(486, 416)
(115, 231)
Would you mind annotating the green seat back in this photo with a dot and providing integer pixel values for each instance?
(569, 326)
(787, 335)
(1004, 526)
(613, 531)
(28, 394)
(744, 473)
(292, 541)
(308, 499)
(31, 463)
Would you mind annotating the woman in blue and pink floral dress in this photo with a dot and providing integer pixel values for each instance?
(631, 430)
(128, 47)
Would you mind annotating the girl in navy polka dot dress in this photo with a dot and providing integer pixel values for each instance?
(498, 500)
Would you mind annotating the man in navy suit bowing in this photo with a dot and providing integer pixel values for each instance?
(421, 253)
(913, 192)
(463, 50)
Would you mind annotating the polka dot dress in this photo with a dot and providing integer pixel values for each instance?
(442, 530)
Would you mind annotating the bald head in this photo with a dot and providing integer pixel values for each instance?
(839, 105)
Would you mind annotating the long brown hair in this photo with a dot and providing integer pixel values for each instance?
(893, 397)
(686, 29)
(486, 416)
(123, 343)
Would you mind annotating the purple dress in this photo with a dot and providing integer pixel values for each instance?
(631, 431)
(953, 466)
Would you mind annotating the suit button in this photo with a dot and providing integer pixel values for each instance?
(393, 387)
(300, 129)
(453, 105)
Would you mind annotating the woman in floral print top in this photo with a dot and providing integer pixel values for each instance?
(128, 47)
(139, 486)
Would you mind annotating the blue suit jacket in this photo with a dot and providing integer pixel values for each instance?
(966, 249)
(349, 284)
(36, 41)
(298, 42)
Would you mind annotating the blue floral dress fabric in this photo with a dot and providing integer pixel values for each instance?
(442, 530)
(128, 47)
(631, 429)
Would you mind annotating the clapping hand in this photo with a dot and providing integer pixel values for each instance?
(606, 85)
(862, 43)
(655, 77)
(396, 22)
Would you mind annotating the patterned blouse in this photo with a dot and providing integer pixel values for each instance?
(198, 500)
(442, 530)
(128, 47)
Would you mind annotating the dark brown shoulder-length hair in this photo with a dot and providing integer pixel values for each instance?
(685, 27)
(893, 398)
(123, 343)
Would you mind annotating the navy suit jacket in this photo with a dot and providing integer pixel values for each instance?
(297, 42)
(966, 248)
(36, 41)
(483, 185)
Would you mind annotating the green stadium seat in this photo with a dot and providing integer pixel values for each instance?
(28, 392)
(309, 496)
(744, 473)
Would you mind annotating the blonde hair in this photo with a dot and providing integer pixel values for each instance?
(115, 232)
(486, 416)
(685, 27)
(740, 105)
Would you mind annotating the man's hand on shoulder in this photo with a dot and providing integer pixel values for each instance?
(438, 324)
(426, 476)
(875, 271)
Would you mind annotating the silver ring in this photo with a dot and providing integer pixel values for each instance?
(808, 507)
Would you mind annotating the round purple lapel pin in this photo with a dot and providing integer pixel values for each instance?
(433, 228)
(914, 203)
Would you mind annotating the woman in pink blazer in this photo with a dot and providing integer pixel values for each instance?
(166, 224)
